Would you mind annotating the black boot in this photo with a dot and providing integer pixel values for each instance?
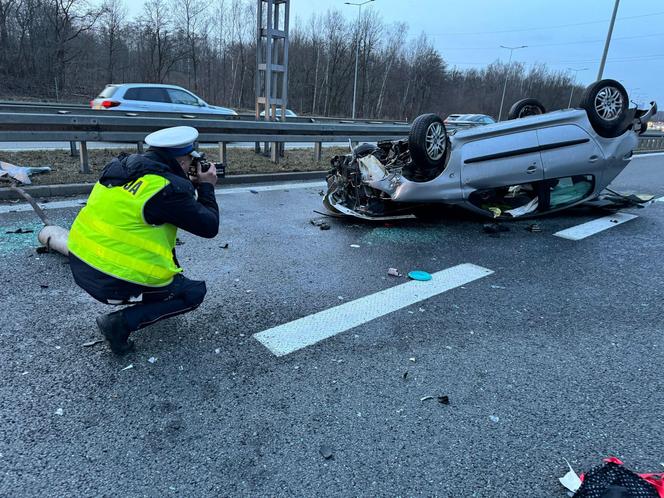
(114, 328)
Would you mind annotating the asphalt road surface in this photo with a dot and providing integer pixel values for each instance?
(547, 349)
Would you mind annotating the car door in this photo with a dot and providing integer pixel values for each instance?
(568, 150)
(184, 102)
(500, 160)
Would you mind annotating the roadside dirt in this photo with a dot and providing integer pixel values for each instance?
(239, 161)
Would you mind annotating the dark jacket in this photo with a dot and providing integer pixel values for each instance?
(175, 204)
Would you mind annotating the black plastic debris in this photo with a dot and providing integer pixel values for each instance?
(178, 242)
(405, 375)
(444, 400)
(44, 286)
(534, 228)
(253, 191)
(19, 230)
(225, 246)
(494, 228)
(326, 451)
(323, 225)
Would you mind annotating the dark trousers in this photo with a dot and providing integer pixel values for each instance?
(149, 304)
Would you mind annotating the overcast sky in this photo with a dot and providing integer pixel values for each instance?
(561, 33)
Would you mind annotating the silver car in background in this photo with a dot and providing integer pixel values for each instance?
(149, 97)
(532, 164)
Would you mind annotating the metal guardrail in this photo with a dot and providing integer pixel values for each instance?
(83, 110)
(77, 123)
(651, 141)
(108, 127)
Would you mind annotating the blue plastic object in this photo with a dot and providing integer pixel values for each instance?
(419, 275)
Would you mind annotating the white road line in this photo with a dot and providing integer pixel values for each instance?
(592, 227)
(298, 334)
(220, 191)
(269, 188)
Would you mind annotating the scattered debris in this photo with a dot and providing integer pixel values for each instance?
(178, 242)
(394, 272)
(421, 310)
(534, 228)
(498, 287)
(494, 228)
(152, 359)
(355, 246)
(412, 359)
(405, 375)
(217, 351)
(131, 365)
(426, 398)
(570, 480)
(323, 225)
(321, 193)
(92, 343)
(326, 451)
(224, 246)
(494, 419)
(43, 286)
(21, 173)
(419, 275)
(20, 230)
(612, 478)
(253, 191)
(59, 411)
(444, 400)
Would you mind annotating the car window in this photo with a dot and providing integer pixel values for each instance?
(107, 92)
(181, 97)
(147, 94)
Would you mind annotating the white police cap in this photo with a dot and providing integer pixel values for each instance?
(179, 140)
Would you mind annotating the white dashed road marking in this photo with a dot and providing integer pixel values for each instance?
(298, 334)
(595, 226)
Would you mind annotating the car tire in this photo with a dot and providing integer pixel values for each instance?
(606, 104)
(427, 143)
(526, 107)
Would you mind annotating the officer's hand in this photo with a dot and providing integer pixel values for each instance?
(209, 176)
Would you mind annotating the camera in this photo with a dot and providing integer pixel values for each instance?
(199, 158)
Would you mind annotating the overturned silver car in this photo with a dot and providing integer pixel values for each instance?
(534, 163)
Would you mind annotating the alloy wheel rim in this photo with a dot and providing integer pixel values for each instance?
(435, 141)
(609, 103)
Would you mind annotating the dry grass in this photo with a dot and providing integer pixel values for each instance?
(65, 169)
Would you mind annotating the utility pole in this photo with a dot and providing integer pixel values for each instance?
(357, 46)
(507, 75)
(608, 41)
(569, 105)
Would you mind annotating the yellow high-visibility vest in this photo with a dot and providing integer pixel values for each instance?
(111, 235)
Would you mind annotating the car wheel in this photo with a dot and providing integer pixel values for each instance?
(427, 142)
(526, 107)
(606, 104)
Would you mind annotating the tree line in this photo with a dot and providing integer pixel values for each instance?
(68, 50)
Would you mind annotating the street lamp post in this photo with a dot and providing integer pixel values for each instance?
(569, 105)
(357, 46)
(502, 100)
(608, 41)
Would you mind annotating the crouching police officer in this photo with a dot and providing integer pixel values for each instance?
(122, 243)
